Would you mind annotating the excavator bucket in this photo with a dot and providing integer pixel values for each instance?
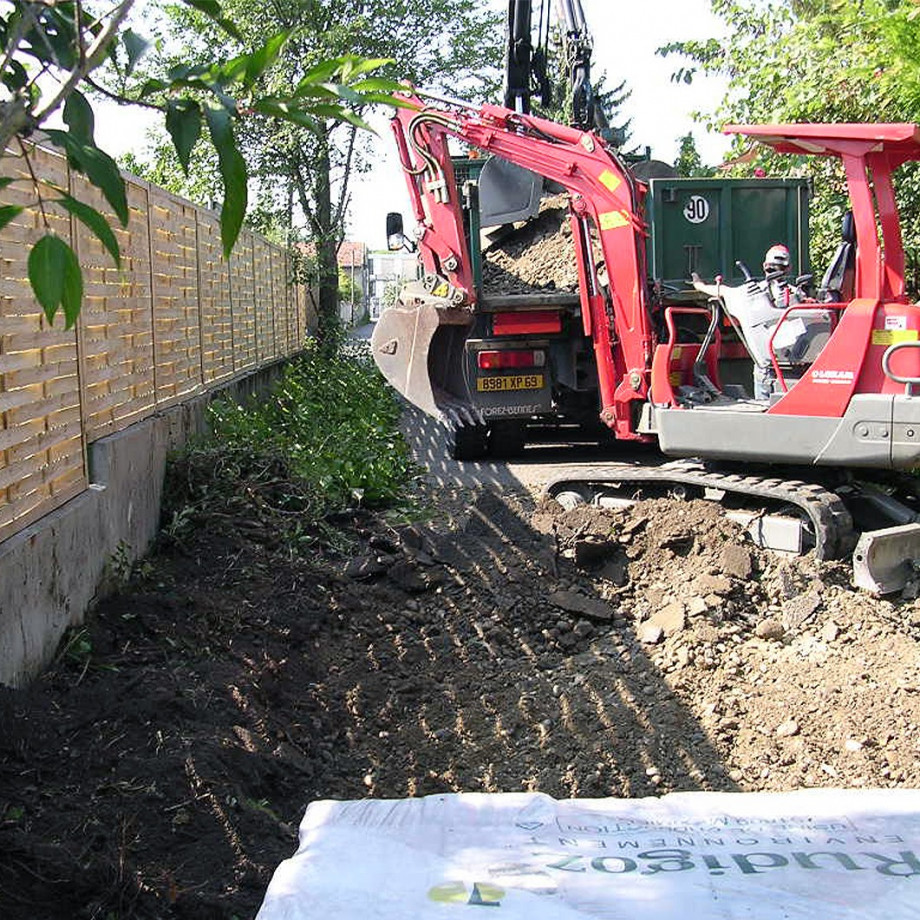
(507, 193)
(418, 348)
(885, 560)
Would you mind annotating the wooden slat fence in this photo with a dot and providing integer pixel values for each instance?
(175, 320)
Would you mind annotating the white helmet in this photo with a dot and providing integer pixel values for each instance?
(776, 258)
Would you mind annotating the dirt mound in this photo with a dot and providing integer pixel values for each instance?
(160, 768)
(799, 679)
(536, 256)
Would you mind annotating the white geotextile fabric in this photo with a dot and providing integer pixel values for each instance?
(821, 854)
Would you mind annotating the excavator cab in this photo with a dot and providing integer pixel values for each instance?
(853, 406)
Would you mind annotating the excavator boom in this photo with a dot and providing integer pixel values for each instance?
(605, 208)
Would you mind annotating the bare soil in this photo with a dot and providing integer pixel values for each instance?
(161, 766)
(533, 257)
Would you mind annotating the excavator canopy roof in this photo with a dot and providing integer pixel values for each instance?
(901, 140)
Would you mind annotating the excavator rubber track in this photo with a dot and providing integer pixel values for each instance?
(831, 522)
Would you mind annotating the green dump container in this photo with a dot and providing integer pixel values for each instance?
(706, 225)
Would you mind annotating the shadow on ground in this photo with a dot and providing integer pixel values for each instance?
(160, 768)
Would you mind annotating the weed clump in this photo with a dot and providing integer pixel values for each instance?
(325, 440)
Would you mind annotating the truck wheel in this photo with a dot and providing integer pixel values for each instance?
(468, 442)
(506, 439)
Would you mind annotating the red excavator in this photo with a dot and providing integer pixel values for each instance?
(842, 364)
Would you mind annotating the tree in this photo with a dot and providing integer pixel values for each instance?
(391, 292)
(817, 61)
(304, 174)
(349, 288)
(81, 47)
(689, 164)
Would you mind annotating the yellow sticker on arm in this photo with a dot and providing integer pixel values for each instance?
(611, 220)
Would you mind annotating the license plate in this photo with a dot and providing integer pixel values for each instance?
(509, 382)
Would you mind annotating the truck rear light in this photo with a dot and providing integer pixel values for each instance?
(530, 322)
(498, 360)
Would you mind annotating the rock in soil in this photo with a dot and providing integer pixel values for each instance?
(536, 256)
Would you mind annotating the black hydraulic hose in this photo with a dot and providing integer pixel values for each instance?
(430, 162)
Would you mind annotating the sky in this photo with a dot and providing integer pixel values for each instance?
(625, 38)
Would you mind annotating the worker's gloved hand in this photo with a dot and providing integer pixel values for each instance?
(754, 288)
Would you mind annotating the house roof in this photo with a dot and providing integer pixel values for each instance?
(350, 254)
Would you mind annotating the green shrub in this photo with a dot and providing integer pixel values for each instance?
(330, 426)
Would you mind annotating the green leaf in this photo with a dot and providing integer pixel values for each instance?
(72, 297)
(231, 71)
(347, 69)
(5, 181)
(386, 99)
(103, 172)
(357, 121)
(263, 58)
(344, 92)
(212, 9)
(95, 222)
(228, 102)
(183, 122)
(294, 114)
(16, 76)
(313, 89)
(378, 85)
(354, 66)
(98, 167)
(9, 212)
(181, 73)
(233, 173)
(135, 46)
(78, 116)
(53, 39)
(152, 86)
(54, 274)
(321, 72)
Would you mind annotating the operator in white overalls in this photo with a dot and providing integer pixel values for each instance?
(784, 294)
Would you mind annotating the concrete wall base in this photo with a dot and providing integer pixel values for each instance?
(52, 571)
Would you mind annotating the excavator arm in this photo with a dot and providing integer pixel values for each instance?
(587, 112)
(606, 223)
(433, 192)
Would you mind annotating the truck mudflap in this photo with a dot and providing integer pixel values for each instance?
(418, 347)
(885, 560)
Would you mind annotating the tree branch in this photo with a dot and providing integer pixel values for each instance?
(343, 196)
(121, 100)
(94, 56)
